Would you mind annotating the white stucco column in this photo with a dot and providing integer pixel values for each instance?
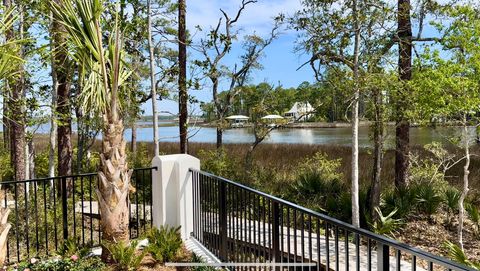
(172, 191)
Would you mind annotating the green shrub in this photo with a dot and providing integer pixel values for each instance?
(451, 198)
(164, 243)
(428, 197)
(68, 264)
(220, 163)
(71, 247)
(386, 225)
(403, 200)
(125, 255)
(474, 216)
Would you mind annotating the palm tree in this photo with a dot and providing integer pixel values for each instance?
(102, 76)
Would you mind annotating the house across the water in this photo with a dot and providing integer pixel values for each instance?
(300, 111)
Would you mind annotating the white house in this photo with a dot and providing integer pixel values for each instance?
(300, 111)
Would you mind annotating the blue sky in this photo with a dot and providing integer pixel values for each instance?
(280, 62)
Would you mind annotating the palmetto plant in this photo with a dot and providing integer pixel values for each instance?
(458, 255)
(102, 75)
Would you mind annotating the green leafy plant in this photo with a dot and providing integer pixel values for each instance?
(403, 200)
(125, 255)
(67, 264)
(164, 243)
(458, 255)
(386, 225)
(451, 199)
(474, 216)
(428, 197)
(71, 247)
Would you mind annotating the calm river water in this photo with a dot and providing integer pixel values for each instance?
(326, 136)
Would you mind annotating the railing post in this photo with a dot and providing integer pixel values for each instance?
(64, 208)
(222, 209)
(383, 257)
(276, 233)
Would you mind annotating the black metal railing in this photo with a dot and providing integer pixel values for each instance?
(47, 211)
(241, 225)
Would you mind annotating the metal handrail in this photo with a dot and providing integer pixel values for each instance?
(64, 177)
(362, 232)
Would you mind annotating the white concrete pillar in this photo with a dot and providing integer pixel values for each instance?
(172, 192)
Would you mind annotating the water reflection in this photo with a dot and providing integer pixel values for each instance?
(325, 136)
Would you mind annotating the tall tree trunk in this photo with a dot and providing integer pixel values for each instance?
(355, 189)
(466, 172)
(53, 115)
(64, 130)
(182, 78)
(402, 133)
(6, 94)
(133, 143)
(219, 137)
(18, 117)
(153, 81)
(378, 134)
(82, 137)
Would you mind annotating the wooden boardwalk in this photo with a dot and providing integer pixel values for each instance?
(253, 236)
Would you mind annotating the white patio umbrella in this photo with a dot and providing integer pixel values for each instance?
(237, 117)
(272, 117)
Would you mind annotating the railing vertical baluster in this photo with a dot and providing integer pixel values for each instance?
(276, 233)
(288, 235)
(337, 250)
(319, 255)
(327, 244)
(383, 257)
(83, 213)
(259, 225)
(37, 241)
(73, 210)
(398, 256)
(64, 208)
(27, 193)
(16, 223)
(357, 251)
(347, 253)
(55, 214)
(222, 203)
(295, 236)
(302, 236)
(369, 254)
(414, 263)
(430, 266)
(310, 250)
(91, 208)
(45, 215)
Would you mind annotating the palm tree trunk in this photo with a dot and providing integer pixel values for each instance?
(114, 184)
